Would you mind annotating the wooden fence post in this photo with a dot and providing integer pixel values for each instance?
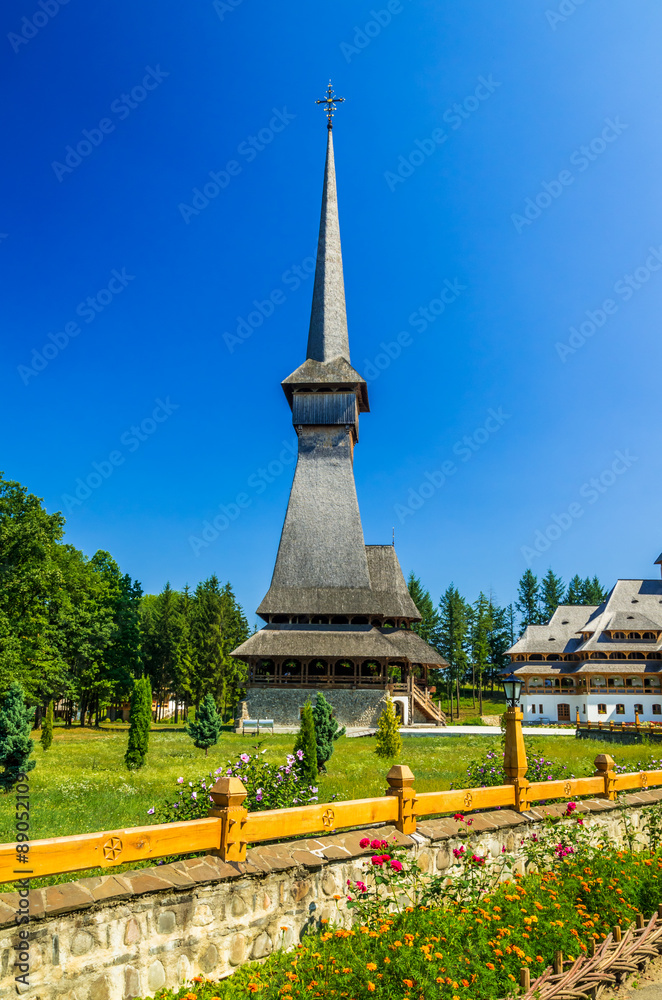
(514, 758)
(401, 783)
(605, 768)
(228, 796)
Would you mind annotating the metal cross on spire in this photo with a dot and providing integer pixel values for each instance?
(330, 100)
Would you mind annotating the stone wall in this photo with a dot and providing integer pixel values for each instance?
(627, 736)
(120, 936)
(353, 707)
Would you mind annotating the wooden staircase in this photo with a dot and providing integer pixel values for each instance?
(421, 699)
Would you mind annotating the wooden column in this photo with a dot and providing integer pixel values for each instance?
(228, 796)
(605, 769)
(514, 759)
(401, 782)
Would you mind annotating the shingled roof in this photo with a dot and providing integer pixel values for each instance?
(354, 642)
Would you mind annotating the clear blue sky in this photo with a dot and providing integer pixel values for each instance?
(168, 93)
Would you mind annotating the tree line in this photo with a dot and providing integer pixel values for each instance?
(78, 631)
(473, 637)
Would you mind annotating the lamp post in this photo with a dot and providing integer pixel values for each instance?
(514, 756)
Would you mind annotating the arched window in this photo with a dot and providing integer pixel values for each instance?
(615, 682)
(371, 670)
(652, 683)
(536, 656)
(553, 656)
(567, 683)
(598, 682)
(636, 683)
(344, 669)
(291, 672)
(264, 672)
(319, 620)
(280, 619)
(552, 683)
(650, 636)
(340, 620)
(535, 683)
(389, 623)
(618, 635)
(360, 620)
(317, 669)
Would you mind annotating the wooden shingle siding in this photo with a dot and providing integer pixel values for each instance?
(324, 408)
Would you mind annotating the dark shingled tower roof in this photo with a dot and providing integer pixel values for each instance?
(323, 568)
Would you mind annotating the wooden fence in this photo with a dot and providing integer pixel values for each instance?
(229, 828)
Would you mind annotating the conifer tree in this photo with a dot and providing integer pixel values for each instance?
(575, 593)
(388, 739)
(528, 599)
(552, 594)
(206, 729)
(482, 625)
(428, 627)
(453, 638)
(327, 730)
(47, 728)
(15, 742)
(140, 720)
(594, 592)
(306, 744)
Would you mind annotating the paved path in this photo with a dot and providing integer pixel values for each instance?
(355, 731)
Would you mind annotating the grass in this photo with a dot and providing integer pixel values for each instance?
(81, 784)
(493, 704)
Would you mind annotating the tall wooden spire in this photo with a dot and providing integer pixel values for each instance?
(327, 335)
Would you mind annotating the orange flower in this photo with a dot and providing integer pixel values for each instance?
(197, 979)
(371, 966)
(465, 982)
(346, 971)
(439, 979)
(371, 987)
(387, 960)
(489, 965)
(408, 982)
(539, 958)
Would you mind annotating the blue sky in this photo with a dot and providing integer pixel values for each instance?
(126, 293)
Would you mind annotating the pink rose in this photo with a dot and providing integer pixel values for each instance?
(365, 842)
(396, 866)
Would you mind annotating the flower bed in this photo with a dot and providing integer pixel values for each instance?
(471, 937)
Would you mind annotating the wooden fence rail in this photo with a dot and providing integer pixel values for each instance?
(230, 828)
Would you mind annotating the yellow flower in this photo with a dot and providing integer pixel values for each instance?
(371, 987)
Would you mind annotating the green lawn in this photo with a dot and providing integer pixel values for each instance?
(81, 784)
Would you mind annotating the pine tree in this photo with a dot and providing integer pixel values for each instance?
(140, 720)
(594, 592)
(306, 744)
(575, 593)
(47, 728)
(428, 627)
(206, 729)
(326, 730)
(528, 602)
(453, 638)
(552, 594)
(15, 742)
(482, 624)
(388, 740)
